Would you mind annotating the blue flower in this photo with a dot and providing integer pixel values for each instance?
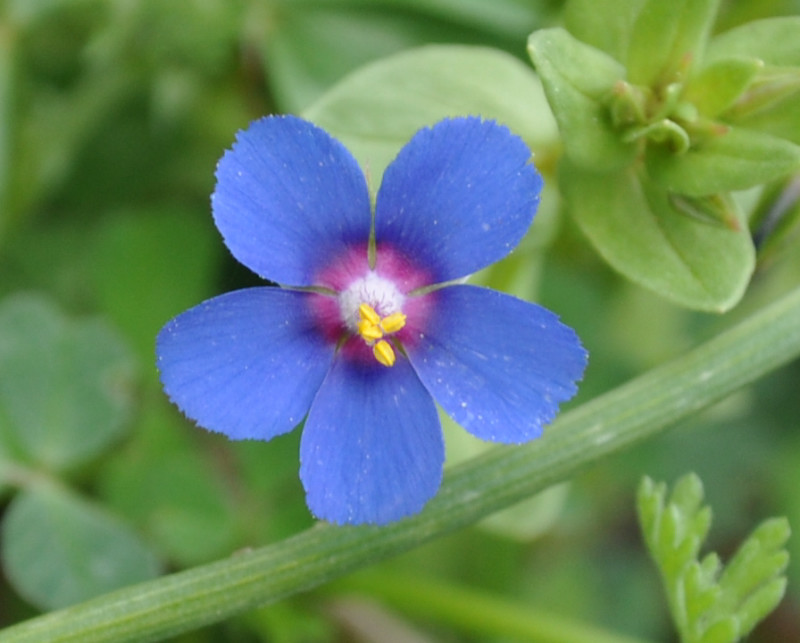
(372, 322)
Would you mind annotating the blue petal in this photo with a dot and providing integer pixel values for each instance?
(372, 449)
(289, 197)
(246, 364)
(499, 366)
(458, 197)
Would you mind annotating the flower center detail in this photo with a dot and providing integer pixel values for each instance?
(371, 308)
(372, 328)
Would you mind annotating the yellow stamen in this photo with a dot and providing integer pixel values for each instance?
(372, 328)
(369, 331)
(392, 323)
(384, 353)
(367, 313)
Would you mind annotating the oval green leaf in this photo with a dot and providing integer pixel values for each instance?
(65, 386)
(59, 550)
(633, 225)
(375, 110)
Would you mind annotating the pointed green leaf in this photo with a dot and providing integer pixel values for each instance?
(736, 160)
(376, 109)
(59, 550)
(772, 108)
(635, 228)
(605, 24)
(723, 631)
(759, 559)
(772, 40)
(705, 606)
(719, 84)
(65, 386)
(760, 604)
(700, 583)
(770, 105)
(579, 81)
(666, 37)
(687, 494)
(649, 507)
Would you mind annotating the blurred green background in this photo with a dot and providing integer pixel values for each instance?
(113, 114)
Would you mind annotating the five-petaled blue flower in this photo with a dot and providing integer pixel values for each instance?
(370, 323)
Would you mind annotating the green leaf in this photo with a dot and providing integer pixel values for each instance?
(164, 481)
(736, 160)
(772, 40)
(59, 550)
(709, 604)
(604, 24)
(666, 37)
(376, 110)
(65, 386)
(770, 105)
(304, 52)
(579, 81)
(718, 85)
(634, 225)
(579, 438)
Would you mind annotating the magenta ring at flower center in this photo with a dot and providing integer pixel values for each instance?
(385, 288)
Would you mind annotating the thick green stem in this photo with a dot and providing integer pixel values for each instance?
(502, 476)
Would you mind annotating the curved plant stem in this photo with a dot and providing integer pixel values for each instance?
(631, 413)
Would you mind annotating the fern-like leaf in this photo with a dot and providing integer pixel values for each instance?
(710, 603)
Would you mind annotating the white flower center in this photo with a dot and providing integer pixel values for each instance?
(380, 294)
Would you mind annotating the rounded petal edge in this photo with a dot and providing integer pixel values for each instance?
(289, 198)
(372, 449)
(499, 366)
(458, 197)
(246, 364)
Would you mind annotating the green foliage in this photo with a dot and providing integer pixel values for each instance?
(113, 114)
(59, 550)
(577, 80)
(640, 231)
(710, 603)
(375, 110)
(666, 38)
(66, 392)
(58, 377)
(664, 104)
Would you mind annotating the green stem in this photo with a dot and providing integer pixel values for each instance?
(474, 613)
(503, 475)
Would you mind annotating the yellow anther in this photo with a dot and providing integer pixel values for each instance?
(392, 323)
(369, 331)
(384, 353)
(371, 327)
(368, 313)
